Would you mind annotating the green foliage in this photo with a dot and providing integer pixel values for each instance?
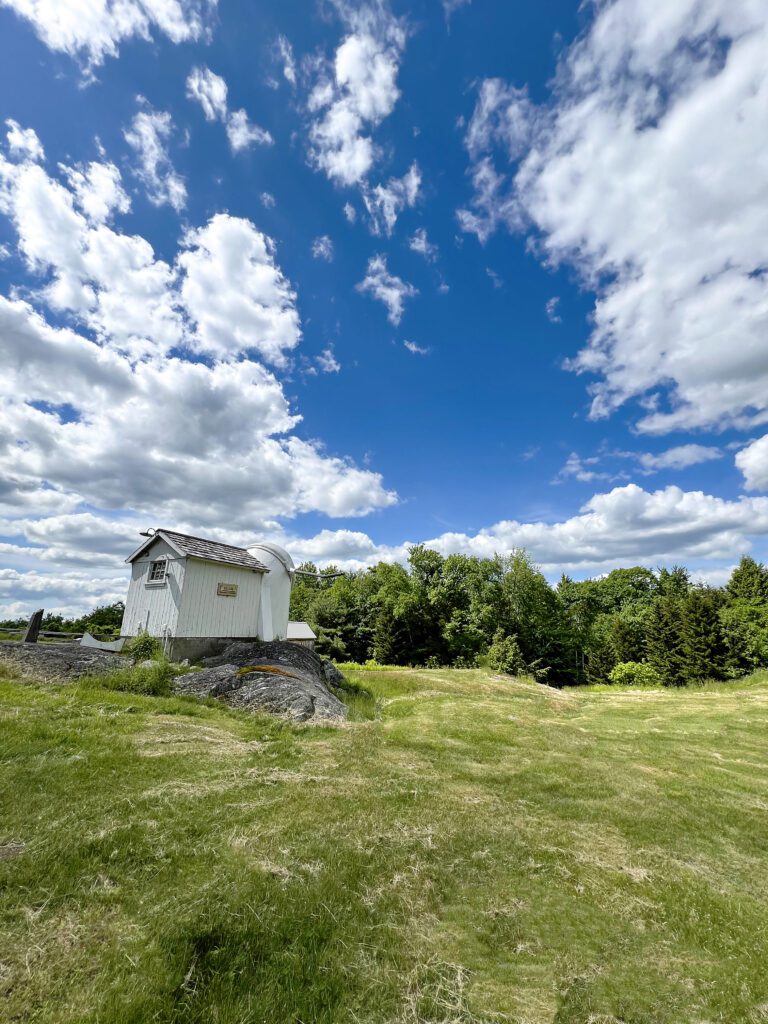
(745, 633)
(448, 611)
(634, 673)
(664, 641)
(105, 620)
(703, 644)
(143, 647)
(749, 582)
(463, 638)
(153, 681)
(504, 655)
(674, 582)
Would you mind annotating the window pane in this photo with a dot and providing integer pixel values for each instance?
(157, 571)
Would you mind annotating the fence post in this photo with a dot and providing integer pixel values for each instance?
(33, 627)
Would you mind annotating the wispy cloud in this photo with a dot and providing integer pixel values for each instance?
(418, 242)
(148, 136)
(416, 350)
(210, 91)
(322, 248)
(387, 288)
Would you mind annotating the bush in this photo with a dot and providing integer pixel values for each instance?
(152, 682)
(466, 661)
(504, 655)
(634, 673)
(143, 647)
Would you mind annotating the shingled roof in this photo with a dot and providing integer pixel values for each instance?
(209, 550)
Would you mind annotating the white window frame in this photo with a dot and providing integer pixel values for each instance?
(158, 581)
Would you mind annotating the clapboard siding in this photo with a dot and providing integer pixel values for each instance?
(204, 613)
(153, 607)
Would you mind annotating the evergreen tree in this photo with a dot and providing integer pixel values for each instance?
(703, 645)
(674, 582)
(600, 657)
(664, 641)
(745, 631)
(749, 582)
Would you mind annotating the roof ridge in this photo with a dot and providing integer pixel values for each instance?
(201, 547)
(206, 540)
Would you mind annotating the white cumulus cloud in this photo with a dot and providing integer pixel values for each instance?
(98, 190)
(95, 29)
(355, 93)
(635, 175)
(105, 432)
(623, 526)
(235, 292)
(752, 461)
(23, 143)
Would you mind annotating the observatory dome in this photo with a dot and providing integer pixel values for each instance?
(273, 556)
(276, 590)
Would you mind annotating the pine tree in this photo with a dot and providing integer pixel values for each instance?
(703, 644)
(749, 582)
(664, 641)
(674, 582)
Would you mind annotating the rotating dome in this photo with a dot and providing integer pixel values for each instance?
(276, 590)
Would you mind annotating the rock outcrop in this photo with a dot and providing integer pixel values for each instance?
(58, 661)
(279, 677)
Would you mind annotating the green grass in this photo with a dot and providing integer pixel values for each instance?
(468, 850)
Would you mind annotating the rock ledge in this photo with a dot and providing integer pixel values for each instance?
(279, 677)
(58, 661)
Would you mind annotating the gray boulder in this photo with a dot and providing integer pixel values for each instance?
(279, 677)
(58, 661)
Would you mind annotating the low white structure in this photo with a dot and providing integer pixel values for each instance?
(190, 592)
(301, 633)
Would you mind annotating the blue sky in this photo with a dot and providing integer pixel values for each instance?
(358, 275)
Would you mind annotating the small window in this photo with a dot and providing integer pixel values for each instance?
(157, 571)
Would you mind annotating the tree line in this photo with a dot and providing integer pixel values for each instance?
(631, 625)
(104, 621)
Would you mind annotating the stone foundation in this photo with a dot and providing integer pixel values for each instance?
(195, 648)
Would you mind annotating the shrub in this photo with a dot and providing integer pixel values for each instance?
(466, 661)
(634, 673)
(153, 682)
(143, 647)
(504, 655)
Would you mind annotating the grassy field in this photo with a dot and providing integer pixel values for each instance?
(479, 850)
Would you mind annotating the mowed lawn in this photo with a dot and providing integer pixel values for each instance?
(481, 850)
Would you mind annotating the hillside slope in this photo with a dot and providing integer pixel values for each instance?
(482, 850)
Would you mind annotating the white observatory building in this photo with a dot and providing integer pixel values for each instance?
(191, 592)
